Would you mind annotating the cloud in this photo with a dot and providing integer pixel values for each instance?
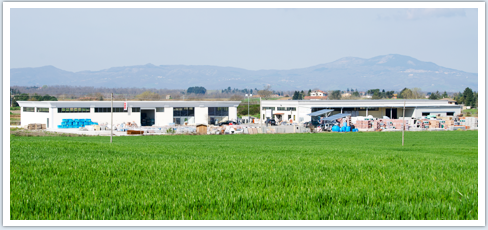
(422, 14)
(415, 14)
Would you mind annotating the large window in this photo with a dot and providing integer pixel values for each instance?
(136, 109)
(107, 110)
(271, 108)
(159, 109)
(218, 111)
(450, 113)
(42, 110)
(28, 109)
(183, 111)
(73, 110)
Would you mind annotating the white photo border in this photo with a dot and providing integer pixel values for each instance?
(7, 6)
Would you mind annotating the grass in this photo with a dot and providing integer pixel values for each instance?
(283, 176)
(472, 112)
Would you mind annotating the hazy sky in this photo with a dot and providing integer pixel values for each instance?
(95, 39)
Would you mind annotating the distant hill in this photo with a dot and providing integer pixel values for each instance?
(391, 72)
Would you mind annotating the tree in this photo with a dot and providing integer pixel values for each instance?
(355, 94)
(196, 90)
(309, 92)
(468, 97)
(417, 93)
(335, 95)
(406, 93)
(266, 92)
(148, 95)
(433, 96)
(444, 95)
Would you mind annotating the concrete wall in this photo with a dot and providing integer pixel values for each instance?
(436, 110)
(164, 118)
(34, 117)
(201, 115)
(232, 113)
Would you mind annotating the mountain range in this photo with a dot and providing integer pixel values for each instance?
(390, 72)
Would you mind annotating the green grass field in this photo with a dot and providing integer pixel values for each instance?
(282, 176)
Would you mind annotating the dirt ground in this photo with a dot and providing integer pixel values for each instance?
(40, 133)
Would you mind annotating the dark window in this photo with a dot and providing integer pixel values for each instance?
(136, 109)
(183, 111)
(107, 110)
(269, 108)
(28, 109)
(218, 111)
(450, 113)
(159, 109)
(369, 109)
(291, 108)
(281, 108)
(73, 110)
(43, 110)
(425, 114)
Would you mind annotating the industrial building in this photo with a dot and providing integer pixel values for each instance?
(300, 110)
(143, 113)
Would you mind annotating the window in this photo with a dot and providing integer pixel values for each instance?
(425, 114)
(291, 109)
(369, 109)
(107, 110)
(183, 111)
(42, 110)
(265, 108)
(218, 111)
(281, 108)
(136, 109)
(73, 110)
(160, 109)
(450, 113)
(28, 109)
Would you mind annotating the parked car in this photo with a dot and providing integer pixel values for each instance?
(272, 122)
(306, 124)
(227, 123)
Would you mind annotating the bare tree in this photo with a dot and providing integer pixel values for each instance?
(417, 93)
(266, 92)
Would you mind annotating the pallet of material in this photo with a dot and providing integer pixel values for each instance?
(135, 132)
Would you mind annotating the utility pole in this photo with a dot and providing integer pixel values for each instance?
(403, 130)
(111, 116)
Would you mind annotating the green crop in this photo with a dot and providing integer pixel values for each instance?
(278, 177)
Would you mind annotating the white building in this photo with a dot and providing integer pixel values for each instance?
(317, 93)
(297, 110)
(144, 113)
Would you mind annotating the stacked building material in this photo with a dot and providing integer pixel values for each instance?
(434, 124)
(469, 122)
(362, 124)
(393, 123)
(376, 125)
(36, 126)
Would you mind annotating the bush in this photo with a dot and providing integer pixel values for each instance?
(14, 108)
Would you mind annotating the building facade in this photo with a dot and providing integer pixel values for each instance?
(144, 113)
(297, 110)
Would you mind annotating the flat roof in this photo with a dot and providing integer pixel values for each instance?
(393, 103)
(55, 104)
